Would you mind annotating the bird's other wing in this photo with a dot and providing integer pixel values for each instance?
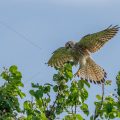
(60, 56)
(93, 42)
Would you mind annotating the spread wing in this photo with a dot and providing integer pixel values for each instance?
(60, 56)
(93, 42)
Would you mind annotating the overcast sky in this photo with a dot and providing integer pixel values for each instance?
(30, 30)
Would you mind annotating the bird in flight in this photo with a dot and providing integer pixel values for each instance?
(80, 53)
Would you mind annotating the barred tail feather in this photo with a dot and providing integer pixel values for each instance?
(92, 72)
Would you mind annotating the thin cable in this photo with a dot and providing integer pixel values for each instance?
(105, 90)
(19, 34)
(36, 74)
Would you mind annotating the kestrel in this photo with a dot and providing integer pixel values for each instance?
(80, 53)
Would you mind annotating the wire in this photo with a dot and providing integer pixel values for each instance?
(105, 90)
(19, 34)
(35, 75)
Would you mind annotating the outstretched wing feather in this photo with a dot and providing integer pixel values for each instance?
(60, 56)
(93, 42)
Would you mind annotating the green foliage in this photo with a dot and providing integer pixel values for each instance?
(84, 108)
(73, 117)
(70, 97)
(9, 92)
(109, 108)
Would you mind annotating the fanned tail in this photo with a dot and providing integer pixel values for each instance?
(92, 72)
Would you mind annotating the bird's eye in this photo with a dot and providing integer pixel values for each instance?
(68, 45)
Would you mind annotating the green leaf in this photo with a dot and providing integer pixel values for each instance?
(73, 117)
(68, 67)
(5, 76)
(69, 74)
(39, 102)
(18, 75)
(59, 110)
(39, 94)
(48, 84)
(13, 69)
(108, 82)
(43, 117)
(109, 107)
(35, 85)
(32, 92)
(21, 84)
(55, 88)
(86, 83)
(98, 97)
(46, 89)
(21, 94)
(112, 115)
(79, 117)
(84, 108)
(26, 105)
(80, 84)
(84, 94)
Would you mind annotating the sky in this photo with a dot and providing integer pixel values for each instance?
(30, 30)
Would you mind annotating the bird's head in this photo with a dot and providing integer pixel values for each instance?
(70, 44)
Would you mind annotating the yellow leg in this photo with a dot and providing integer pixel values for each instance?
(77, 73)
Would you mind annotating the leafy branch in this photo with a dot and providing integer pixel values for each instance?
(70, 98)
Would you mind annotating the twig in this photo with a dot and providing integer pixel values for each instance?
(97, 114)
(44, 105)
(50, 112)
(75, 108)
(52, 108)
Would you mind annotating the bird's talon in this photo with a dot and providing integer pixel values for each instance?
(77, 74)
